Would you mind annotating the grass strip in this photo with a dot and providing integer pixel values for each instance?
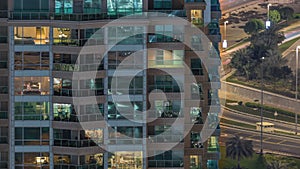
(283, 47)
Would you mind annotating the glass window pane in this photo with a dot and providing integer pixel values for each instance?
(18, 133)
(33, 5)
(18, 4)
(45, 4)
(32, 133)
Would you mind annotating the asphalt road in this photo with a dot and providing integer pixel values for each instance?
(271, 143)
(245, 118)
(227, 5)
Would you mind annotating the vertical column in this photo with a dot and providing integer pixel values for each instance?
(145, 67)
(11, 98)
(51, 137)
(207, 12)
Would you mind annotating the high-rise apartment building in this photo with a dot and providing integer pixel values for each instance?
(52, 119)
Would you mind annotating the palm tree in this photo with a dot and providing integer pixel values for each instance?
(277, 164)
(236, 147)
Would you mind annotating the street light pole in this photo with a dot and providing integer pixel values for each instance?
(269, 11)
(268, 23)
(296, 94)
(225, 41)
(261, 106)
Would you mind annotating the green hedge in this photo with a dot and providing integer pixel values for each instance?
(271, 109)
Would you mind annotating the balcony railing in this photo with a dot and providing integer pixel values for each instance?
(154, 38)
(90, 117)
(77, 67)
(165, 63)
(123, 116)
(195, 167)
(15, 15)
(179, 13)
(78, 93)
(120, 91)
(36, 116)
(164, 114)
(215, 148)
(194, 1)
(71, 118)
(125, 141)
(75, 143)
(74, 166)
(165, 138)
(165, 88)
(165, 163)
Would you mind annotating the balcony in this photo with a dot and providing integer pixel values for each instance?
(64, 118)
(77, 67)
(130, 141)
(164, 114)
(178, 13)
(163, 138)
(166, 88)
(14, 15)
(156, 38)
(165, 63)
(75, 166)
(75, 143)
(78, 93)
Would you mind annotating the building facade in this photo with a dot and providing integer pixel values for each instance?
(51, 117)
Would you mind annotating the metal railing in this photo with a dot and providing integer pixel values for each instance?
(125, 141)
(165, 63)
(75, 143)
(165, 138)
(154, 38)
(166, 114)
(77, 67)
(79, 93)
(75, 166)
(37, 116)
(165, 163)
(166, 88)
(71, 118)
(25, 15)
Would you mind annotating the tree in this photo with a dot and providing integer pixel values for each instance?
(274, 16)
(276, 69)
(286, 13)
(277, 165)
(244, 63)
(238, 148)
(253, 26)
(279, 162)
(268, 39)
